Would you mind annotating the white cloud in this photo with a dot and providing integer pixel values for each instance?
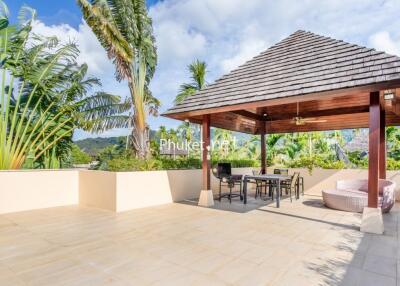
(226, 33)
(91, 51)
(169, 34)
(245, 52)
(382, 41)
(93, 54)
(234, 31)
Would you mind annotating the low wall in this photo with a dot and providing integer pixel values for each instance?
(97, 189)
(120, 191)
(321, 179)
(142, 189)
(27, 190)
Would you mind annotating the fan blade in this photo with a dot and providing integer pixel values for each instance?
(298, 121)
(316, 121)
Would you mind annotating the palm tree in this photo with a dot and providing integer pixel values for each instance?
(125, 31)
(295, 144)
(96, 112)
(185, 131)
(44, 97)
(224, 142)
(198, 70)
(162, 132)
(251, 148)
(272, 150)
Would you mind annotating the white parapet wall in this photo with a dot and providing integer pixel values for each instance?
(121, 191)
(98, 189)
(142, 189)
(31, 189)
(320, 179)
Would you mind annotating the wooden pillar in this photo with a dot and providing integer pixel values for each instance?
(263, 150)
(374, 146)
(206, 163)
(382, 146)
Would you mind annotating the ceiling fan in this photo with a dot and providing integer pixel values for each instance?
(298, 120)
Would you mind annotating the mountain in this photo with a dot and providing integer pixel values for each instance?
(92, 146)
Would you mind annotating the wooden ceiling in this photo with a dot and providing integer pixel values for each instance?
(338, 112)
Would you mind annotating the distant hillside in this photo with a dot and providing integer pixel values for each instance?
(92, 146)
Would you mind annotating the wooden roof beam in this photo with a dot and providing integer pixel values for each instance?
(318, 113)
(250, 115)
(391, 105)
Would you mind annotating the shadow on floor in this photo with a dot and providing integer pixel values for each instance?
(252, 203)
(348, 226)
(236, 205)
(361, 258)
(316, 203)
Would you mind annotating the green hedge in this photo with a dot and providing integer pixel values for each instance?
(132, 164)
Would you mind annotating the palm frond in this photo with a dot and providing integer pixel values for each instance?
(26, 15)
(186, 90)
(109, 36)
(98, 125)
(197, 71)
(4, 13)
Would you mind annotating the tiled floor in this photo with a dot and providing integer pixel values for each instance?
(302, 243)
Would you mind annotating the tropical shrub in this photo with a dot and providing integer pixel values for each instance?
(133, 164)
(78, 156)
(392, 164)
(27, 127)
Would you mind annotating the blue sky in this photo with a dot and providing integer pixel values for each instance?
(224, 33)
(53, 12)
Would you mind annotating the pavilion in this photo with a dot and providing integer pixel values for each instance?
(306, 82)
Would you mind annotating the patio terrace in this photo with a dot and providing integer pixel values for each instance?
(302, 243)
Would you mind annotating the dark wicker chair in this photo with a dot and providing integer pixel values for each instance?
(292, 187)
(260, 185)
(284, 184)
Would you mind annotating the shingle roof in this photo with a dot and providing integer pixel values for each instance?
(300, 64)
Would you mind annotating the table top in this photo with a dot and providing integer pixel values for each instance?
(268, 177)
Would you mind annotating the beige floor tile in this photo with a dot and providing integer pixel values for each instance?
(178, 244)
(234, 270)
(210, 263)
(381, 265)
(11, 280)
(372, 279)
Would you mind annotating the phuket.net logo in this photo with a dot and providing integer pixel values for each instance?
(185, 147)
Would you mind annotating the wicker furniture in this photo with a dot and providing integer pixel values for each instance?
(352, 195)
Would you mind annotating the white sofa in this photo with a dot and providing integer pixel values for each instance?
(352, 195)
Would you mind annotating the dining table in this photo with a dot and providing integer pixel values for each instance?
(277, 178)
